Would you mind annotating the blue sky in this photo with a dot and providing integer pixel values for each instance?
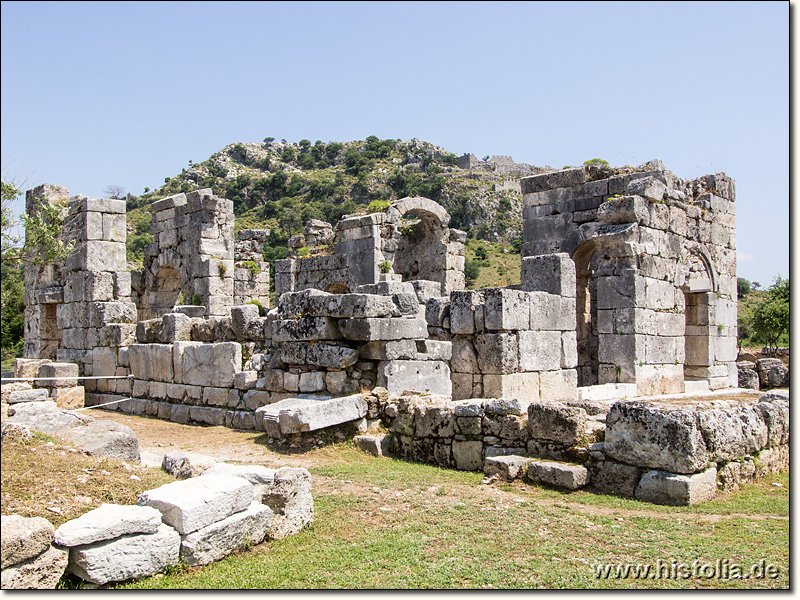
(127, 93)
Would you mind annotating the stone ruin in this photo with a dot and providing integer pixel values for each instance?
(628, 290)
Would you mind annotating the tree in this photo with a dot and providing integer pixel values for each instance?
(471, 271)
(743, 287)
(771, 315)
(117, 192)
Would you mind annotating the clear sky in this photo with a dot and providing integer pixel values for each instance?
(127, 93)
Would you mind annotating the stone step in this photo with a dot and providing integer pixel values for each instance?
(558, 474)
(507, 467)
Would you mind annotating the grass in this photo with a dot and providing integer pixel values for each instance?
(384, 523)
(501, 267)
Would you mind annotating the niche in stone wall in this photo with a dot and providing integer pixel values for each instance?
(420, 241)
(699, 314)
(163, 294)
(586, 314)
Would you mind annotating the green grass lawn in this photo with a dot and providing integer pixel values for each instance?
(384, 523)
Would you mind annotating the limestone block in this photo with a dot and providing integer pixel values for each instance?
(433, 420)
(99, 437)
(647, 187)
(192, 504)
(126, 557)
(69, 398)
(22, 396)
(27, 368)
(647, 436)
(310, 328)
(462, 310)
(774, 408)
(437, 312)
(552, 313)
(58, 375)
(414, 375)
(748, 379)
(184, 465)
(207, 415)
(551, 273)
(674, 489)
(203, 364)
(318, 414)
(610, 477)
(569, 350)
(732, 432)
(331, 356)
(655, 380)
(23, 538)
(558, 474)
(524, 386)
(377, 445)
(537, 350)
(97, 256)
(435, 350)
(467, 455)
(238, 531)
(40, 572)
(498, 353)
(558, 386)
(175, 327)
(312, 381)
(291, 502)
(245, 380)
(151, 362)
(506, 309)
(14, 386)
(389, 350)
(291, 382)
(367, 330)
(108, 522)
(506, 467)
(335, 382)
(255, 474)
(246, 323)
(556, 422)
(624, 209)
(464, 357)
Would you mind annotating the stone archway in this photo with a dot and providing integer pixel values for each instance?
(697, 282)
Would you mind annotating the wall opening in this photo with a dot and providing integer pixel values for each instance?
(163, 295)
(586, 315)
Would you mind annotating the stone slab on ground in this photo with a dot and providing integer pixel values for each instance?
(126, 557)
(22, 538)
(107, 522)
(675, 489)
(255, 474)
(558, 474)
(290, 499)
(192, 504)
(41, 572)
(246, 528)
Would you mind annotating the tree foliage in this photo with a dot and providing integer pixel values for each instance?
(771, 315)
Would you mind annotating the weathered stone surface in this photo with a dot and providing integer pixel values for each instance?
(377, 445)
(468, 455)
(105, 438)
(506, 309)
(610, 477)
(556, 422)
(415, 375)
(331, 356)
(774, 409)
(563, 475)
(389, 350)
(195, 503)
(660, 487)
(255, 474)
(313, 415)
(308, 328)
(246, 528)
(367, 330)
(69, 398)
(23, 538)
(507, 467)
(202, 364)
(126, 557)
(184, 465)
(291, 502)
(551, 273)
(662, 439)
(29, 395)
(58, 375)
(537, 350)
(498, 353)
(108, 522)
(733, 432)
(505, 406)
(748, 379)
(41, 572)
(433, 420)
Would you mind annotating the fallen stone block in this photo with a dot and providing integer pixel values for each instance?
(558, 474)
(377, 445)
(108, 522)
(69, 398)
(41, 572)
(675, 489)
(255, 474)
(23, 538)
(507, 467)
(126, 557)
(105, 438)
(238, 531)
(290, 499)
(195, 503)
(315, 415)
(184, 465)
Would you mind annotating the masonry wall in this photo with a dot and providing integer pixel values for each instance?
(656, 271)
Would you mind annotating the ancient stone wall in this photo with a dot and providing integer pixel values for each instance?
(655, 258)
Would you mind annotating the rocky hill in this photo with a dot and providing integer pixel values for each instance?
(281, 185)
